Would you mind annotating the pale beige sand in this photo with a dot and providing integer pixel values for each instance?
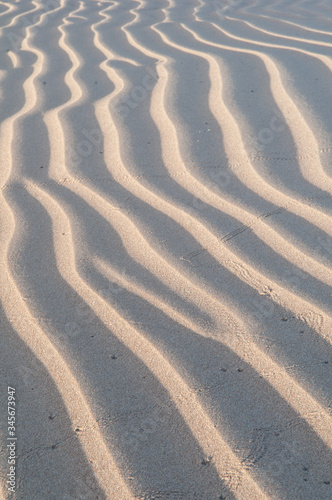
(166, 248)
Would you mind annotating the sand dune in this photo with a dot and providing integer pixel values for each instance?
(166, 248)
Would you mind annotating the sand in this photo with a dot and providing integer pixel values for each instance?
(166, 249)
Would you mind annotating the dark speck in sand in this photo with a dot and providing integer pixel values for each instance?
(284, 319)
(240, 369)
(327, 482)
(114, 357)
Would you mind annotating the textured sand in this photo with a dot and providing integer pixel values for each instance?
(166, 248)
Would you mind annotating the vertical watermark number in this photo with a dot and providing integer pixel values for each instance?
(11, 445)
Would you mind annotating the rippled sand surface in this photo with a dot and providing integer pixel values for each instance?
(166, 248)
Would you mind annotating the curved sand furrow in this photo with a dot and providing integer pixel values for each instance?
(10, 8)
(175, 159)
(233, 130)
(93, 444)
(77, 405)
(281, 37)
(262, 182)
(131, 239)
(187, 403)
(323, 58)
(311, 169)
(104, 106)
(58, 154)
(13, 37)
(299, 25)
(308, 408)
(31, 100)
(110, 134)
(289, 389)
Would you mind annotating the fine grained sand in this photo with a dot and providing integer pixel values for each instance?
(166, 248)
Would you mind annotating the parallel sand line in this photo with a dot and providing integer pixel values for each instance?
(92, 441)
(31, 99)
(201, 426)
(292, 23)
(17, 18)
(261, 229)
(307, 407)
(104, 210)
(172, 156)
(276, 85)
(77, 406)
(231, 129)
(300, 130)
(281, 37)
(71, 81)
(293, 391)
(51, 118)
(112, 157)
(327, 61)
(301, 401)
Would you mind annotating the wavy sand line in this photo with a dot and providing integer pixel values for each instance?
(281, 199)
(307, 407)
(31, 99)
(10, 8)
(111, 147)
(68, 386)
(292, 115)
(93, 444)
(173, 160)
(183, 396)
(234, 131)
(17, 18)
(281, 37)
(101, 206)
(285, 21)
(231, 127)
